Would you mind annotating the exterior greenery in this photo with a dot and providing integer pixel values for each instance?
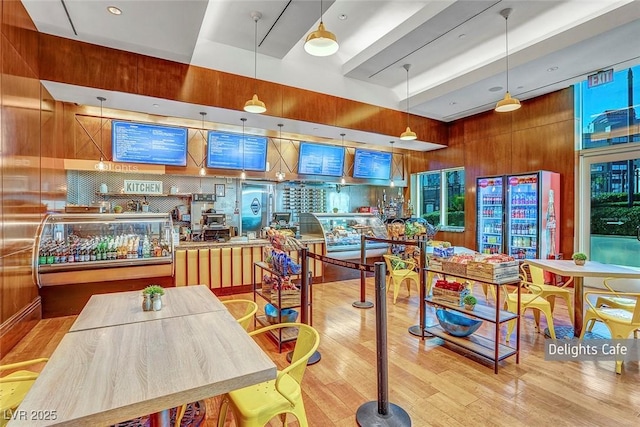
(612, 207)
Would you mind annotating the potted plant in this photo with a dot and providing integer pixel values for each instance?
(579, 258)
(469, 302)
(152, 298)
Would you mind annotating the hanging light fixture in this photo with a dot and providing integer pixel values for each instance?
(321, 42)
(203, 171)
(507, 103)
(243, 175)
(254, 105)
(101, 165)
(392, 183)
(280, 174)
(343, 181)
(408, 134)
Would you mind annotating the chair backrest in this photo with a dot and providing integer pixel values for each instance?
(242, 309)
(622, 284)
(396, 263)
(532, 273)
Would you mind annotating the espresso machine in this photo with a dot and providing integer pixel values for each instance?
(201, 204)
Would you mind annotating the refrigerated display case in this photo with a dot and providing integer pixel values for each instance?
(84, 248)
(518, 215)
(490, 214)
(342, 233)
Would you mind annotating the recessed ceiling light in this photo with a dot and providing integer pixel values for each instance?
(461, 36)
(520, 87)
(552, 69)
(453, 103)
(114, 10)
(495, 89)
(156, 105)
(342, 17)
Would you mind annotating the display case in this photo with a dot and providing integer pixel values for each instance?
(342, 233)
(84, 248)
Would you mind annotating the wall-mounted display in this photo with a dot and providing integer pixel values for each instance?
(320, 159)
(227, 151)
(372, 164)
(146, 143)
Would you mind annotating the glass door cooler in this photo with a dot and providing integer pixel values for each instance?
(532, 215)
(490, 202)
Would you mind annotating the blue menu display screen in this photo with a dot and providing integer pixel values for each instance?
(146, 143)
(227, 151)
(317, 159)
(372, 164)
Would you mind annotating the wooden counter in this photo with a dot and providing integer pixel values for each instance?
(227, 267)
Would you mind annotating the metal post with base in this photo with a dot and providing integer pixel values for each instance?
(363, 277)
(418, 330)
(381, 413)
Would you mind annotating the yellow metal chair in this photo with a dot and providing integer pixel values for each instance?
(620, 321)
(549, 292)
(14, 387)
(530, 298)
(242, 309)
(400, 270)
(254, 406)
(615, 299)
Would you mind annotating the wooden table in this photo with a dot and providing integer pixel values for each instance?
(110, 374)
(126, 307)
(590, 269)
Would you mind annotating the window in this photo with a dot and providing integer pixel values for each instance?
(439, 197)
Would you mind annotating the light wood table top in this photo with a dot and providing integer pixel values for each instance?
(589, 269)
(113, 374)
(126, 307)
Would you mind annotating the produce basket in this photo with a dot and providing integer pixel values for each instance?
(288, 298)
(454, 268)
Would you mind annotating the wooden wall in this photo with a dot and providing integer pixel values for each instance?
(539, 136)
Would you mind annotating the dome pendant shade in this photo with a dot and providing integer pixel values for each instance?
(408, 135)
(507, 104)
(321, 42)
(254, 105)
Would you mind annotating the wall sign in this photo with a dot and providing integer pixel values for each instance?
(134, 186)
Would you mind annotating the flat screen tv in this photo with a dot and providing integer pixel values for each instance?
(371, 164)
(226, 151)
(146, 143)
(320, 159)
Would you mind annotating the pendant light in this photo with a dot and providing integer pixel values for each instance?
(321, 42)
(507, 103)
(101, 165)
(254, 105)
(392, 183)
(408, 134)
(203, 171)
(243, 175)
(343, 181)
(280, 174)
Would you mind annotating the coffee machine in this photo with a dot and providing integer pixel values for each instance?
(201, 204)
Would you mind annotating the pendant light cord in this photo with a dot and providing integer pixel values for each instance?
(243, 144)
(101, 99)
(407, 96)
(204, 154)
(255, 54)
(321, 12)
(506, 39)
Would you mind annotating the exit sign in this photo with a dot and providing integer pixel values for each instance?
(600, 78)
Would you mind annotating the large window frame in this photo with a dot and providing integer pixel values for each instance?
(444, 202)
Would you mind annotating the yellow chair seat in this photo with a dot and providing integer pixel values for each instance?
(400, 270)
(549, 292)
(14, 387)
(616, 315)
(533, 301)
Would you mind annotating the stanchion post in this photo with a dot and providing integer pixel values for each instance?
(304, 302)
(363, 277)
(381, 413)
(418, 330)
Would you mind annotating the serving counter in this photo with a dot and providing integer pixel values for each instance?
(227, 267)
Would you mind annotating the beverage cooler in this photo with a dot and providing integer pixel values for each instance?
(518, 215)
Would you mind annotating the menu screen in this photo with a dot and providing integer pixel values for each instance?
(228, 151)
(317, 159)
(372, 164)
(145, 143)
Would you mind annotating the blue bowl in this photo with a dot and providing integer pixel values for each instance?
(456, 324)
(289, 315)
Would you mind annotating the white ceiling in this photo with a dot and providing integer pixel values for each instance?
(456, 49)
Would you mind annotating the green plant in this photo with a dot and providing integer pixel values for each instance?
(470, 300)
(153, 289)
(579, 256)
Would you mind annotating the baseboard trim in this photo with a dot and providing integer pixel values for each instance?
(17, 326)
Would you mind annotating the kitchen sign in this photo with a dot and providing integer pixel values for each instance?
(600, 78)
(132, 186)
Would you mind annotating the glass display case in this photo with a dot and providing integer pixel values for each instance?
(83, 248)
(342, 233)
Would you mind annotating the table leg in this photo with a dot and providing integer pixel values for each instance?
(161, 419)
(578, 305)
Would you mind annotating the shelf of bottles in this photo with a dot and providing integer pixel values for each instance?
(524, 225)
(299, 200)
(491, 223)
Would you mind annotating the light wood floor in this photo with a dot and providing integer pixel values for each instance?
(437, 385)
